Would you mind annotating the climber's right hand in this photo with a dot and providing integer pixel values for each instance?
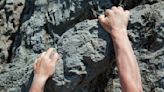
(115, 21)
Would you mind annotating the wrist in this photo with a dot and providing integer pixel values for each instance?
(119, 35)
(40, 79)
(38, 84)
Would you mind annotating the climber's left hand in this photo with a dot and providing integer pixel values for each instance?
(44, 67)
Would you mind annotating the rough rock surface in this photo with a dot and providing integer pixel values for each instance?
(29, 27)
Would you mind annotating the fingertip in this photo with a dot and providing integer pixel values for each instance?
(120, 8)
(42, 54)
(55, 57)
(127, 12)
(49, 51)
(108, 12)
(114, 8)
(101, 17)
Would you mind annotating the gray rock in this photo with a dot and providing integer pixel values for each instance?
(10, 13)
(84, 50)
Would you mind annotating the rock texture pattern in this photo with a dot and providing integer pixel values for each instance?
(29, 27)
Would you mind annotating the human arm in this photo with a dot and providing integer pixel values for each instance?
(44, 67)
(115, 22)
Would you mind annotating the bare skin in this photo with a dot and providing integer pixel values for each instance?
(115, 22)
(44, 67)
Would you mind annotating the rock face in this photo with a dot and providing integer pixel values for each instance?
(29, 27)
(10, 13)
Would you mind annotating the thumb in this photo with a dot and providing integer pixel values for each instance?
(105, 23)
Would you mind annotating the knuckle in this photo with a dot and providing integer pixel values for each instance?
(107, 10)
(45, 57)
(114, 8)
(101, 17)
(52, 64)
(120, 7)
(48, 60)
(127, 12)
(50, 49)
(42, 54)
(56, 55)
(103, 22)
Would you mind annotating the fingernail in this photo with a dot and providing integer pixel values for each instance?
(56, 54)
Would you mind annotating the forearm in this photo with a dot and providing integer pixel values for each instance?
(127, 64)
(37, 84)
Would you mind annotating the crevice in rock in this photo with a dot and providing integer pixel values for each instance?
(60, 29)
(99, 83)
(10, 54)
(16, 38)
(151, 2)
(27, 11)
(129, 4)
(2, 4)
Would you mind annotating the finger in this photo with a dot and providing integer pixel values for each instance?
(127, 13)
(43, 54)
(55, 58)
(37, 62)
(108, 25)
(120, 8)
(40, 58)
(114, 8)
(34, 64)
(49, 51)
(108, 12)
(105, 23)
(102, 19)
(52, 54)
